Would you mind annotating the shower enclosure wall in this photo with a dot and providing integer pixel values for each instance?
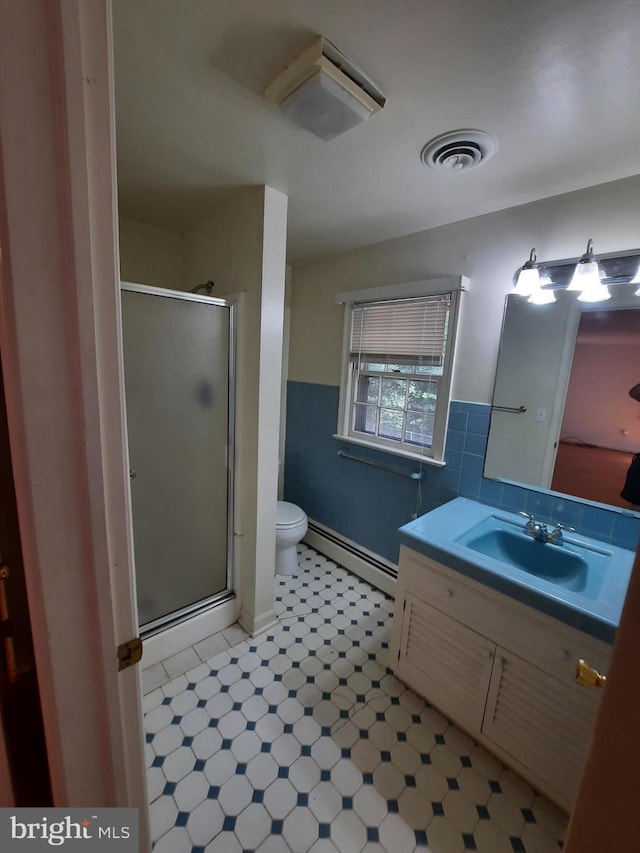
(179, 383)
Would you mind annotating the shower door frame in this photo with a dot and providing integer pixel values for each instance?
(176, 616)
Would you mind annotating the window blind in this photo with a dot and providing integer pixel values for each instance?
(398, 328)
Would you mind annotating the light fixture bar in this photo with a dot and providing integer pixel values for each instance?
(537, 279)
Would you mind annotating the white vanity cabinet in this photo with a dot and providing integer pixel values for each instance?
(500, 669)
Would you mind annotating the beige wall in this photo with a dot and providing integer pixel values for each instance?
(152, 255)
(486, 248)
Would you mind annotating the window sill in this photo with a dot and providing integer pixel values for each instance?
(407, 454)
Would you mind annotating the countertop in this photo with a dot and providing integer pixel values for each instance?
(435, 535)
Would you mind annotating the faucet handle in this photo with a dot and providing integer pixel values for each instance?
(555, 536)
(530, 526)
(561, 526)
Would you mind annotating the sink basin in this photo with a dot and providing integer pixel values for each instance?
(582, 583)
(571, 565)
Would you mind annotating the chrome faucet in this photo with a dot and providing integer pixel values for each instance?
(556, 537)
(538, 530)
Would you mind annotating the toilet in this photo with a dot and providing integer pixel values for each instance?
(291, 526)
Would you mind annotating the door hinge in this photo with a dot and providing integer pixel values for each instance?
(129, 653)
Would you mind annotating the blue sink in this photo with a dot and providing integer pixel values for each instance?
(571, 565)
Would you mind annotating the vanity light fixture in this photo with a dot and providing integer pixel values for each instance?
(589, 278)
(595, 293)
(543, 295)
(586, 278)
(528, 278)
(529, 283)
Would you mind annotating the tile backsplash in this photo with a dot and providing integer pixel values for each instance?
(367, 505)
(468, 431)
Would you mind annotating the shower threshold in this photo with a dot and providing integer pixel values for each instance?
(149, 629)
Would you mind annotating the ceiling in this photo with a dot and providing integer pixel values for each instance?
(556, 81)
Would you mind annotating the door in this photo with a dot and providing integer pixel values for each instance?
(540, 721)
(521, 444)
(446, 661)
(23, 754)
(178, 367)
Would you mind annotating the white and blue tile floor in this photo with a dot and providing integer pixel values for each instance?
(301, 740)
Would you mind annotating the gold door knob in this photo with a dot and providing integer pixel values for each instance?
(4, 573)
(587, 676)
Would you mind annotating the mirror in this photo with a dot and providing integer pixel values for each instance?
(562, 418)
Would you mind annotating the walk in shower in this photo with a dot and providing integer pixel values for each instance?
(179, 384)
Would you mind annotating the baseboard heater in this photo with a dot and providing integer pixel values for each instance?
(365, 564)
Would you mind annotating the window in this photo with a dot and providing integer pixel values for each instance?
(397, 372)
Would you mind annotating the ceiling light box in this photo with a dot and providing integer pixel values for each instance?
(324, 92)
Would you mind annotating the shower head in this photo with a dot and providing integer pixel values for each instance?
(208, 286)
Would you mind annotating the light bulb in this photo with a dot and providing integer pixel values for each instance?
(542, 296)
(528, 278)
(528, 282)
(595, 293)
(586, 274)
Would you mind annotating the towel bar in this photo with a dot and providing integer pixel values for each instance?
(413, 475)
(520, 410)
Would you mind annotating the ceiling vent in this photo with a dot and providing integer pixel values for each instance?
(458, 150)
(324, 92)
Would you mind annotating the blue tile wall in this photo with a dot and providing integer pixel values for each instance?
(367, 505)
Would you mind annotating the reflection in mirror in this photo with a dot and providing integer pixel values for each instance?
(599, 433)
(562, 418)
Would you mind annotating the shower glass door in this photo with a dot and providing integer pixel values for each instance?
(178, 366)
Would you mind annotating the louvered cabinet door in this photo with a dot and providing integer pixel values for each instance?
(447, 663)
(541, 722)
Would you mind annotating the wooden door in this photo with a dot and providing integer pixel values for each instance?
(23, 756)
(541, 722)
(445, 661)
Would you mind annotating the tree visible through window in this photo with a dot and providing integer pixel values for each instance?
(396, 402)
(398, 351)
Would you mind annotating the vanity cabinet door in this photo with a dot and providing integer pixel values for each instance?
(543, 723)
(446, 662)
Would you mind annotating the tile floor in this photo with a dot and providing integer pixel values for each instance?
(301, 740)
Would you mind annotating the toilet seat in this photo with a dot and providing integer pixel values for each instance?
(288, 515)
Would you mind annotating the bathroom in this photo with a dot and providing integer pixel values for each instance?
(284, 249)
(361, 504)
(355, 510)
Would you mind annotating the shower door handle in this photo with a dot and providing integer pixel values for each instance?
(132, 474)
